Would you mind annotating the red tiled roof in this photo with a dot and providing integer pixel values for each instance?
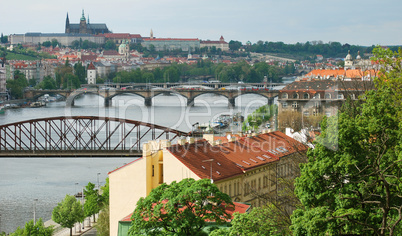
(121, 36)
(234, 158)
(169, 39)
(91, 66)
(195, 157)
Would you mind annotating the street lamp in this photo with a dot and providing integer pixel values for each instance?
(34, 210)
(210, 160)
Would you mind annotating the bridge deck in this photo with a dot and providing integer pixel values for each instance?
(73, 153)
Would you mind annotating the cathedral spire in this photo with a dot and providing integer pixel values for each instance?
(67, 24)
(83, 15)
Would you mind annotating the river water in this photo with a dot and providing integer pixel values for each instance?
(22, 180)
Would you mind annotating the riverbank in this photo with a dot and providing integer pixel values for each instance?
(78, 229)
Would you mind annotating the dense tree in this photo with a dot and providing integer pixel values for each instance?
(80, 72)
(55, 43)
(103, 226)
(3, 39)
(180, 208)
(110, 45)
(68, 212)
(351, 183)
(47, 44)
(47, 83)
(17, 85)
(92, 200)
(235, 45)
(31, 229)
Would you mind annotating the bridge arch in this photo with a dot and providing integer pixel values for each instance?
(70, 99)
(80, 134)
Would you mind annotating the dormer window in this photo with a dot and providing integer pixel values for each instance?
(284, 95)
(327, 96)
(295, 96)
(306, 96)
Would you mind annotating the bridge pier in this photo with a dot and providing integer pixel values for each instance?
(232, 102)
(190, 102)
(148, 102)
(271, 101)
(108, 102)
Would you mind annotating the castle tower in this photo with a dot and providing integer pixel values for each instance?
(67, 25)
(91, 74)
(83, 24)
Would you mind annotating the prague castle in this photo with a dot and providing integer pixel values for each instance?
(85, 27)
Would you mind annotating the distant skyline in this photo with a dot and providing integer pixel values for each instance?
(357, 22)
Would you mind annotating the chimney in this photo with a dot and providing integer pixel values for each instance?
(181, 141)
(165, 144)
(146, 150)
(217, 142)
(190, 140)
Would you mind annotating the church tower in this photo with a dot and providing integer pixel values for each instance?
(91, 74)
(67, 25)
(83, 24)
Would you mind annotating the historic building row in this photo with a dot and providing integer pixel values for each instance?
(241, 168)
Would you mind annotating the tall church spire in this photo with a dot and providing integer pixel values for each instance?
(67, 24)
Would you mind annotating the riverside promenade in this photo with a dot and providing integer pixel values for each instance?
(78, 229)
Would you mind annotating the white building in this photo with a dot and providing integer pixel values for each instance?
(91, 74)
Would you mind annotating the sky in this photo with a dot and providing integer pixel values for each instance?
(356, 22)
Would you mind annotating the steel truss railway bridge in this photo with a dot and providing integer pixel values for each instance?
(148, 91)
(80, 136)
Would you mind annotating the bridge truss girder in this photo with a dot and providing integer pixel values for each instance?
(81, 133)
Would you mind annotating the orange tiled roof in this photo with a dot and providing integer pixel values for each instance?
(234, 158)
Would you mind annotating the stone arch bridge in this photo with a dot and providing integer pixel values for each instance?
(148, 93)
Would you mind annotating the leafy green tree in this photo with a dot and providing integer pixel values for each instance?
(110, 45)
(68, 212)
(180, 208)
(235, 45)
(31, 229)
(80, 72)
(105, 193)
(47, 83)
(55, 43)
(17, 85)
(47, 44)
(92, 200)
(103, 227)
(260, 221)
(351, 183)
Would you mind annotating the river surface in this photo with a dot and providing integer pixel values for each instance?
(22, 180)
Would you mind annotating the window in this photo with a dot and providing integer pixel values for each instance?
(327, 96)
(295, 105)
(328, 113)
(230, 189)
(340, 96)
(284, 95)
(153, 170)
(284, 104)
(306, 96)
(295, 96)
(317, 96)
(306, 113)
